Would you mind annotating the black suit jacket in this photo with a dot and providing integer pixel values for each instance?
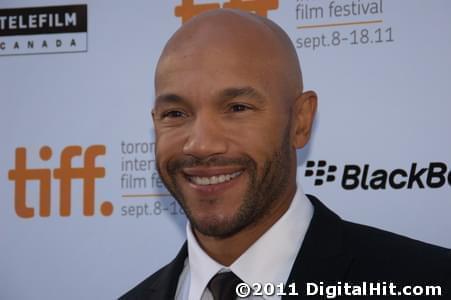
(336, 250)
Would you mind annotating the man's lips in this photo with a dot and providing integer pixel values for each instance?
(208, 176)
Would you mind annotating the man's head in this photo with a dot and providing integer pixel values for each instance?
(229, 114)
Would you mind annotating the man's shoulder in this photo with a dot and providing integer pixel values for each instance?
(373, 252)
(384, 247)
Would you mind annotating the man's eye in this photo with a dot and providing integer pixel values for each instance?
(238, 107)
(172, 114)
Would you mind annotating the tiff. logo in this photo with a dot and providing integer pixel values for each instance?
(88, 173)
(320, 171)
(188, 9)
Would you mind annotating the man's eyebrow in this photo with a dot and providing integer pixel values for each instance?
(224, 95)
(238, 92)
(168, 98)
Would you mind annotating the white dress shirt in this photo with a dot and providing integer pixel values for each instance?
(269, 260)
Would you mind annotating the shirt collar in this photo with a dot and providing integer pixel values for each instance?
(265, 254)
(202, 267)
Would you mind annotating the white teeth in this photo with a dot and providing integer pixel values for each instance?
(214, 179)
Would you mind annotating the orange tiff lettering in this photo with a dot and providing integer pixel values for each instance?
(188, 9)
(259, 7)
(88, 173)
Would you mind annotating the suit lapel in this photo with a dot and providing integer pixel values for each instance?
(323, 256)
(166, 285)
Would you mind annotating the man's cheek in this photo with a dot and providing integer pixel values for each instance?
(161, 167)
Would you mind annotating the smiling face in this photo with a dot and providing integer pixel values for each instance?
(226, 123)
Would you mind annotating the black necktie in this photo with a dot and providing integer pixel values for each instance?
(223, 285)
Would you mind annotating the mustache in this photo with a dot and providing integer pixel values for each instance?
(214, 161)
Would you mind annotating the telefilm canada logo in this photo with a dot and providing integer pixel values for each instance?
(367, 177)
(43, 30)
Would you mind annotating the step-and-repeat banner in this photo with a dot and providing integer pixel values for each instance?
(83, 212)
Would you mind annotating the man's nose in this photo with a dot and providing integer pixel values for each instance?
(205, 139)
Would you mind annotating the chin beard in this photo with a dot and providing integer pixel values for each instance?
(258, 201)
(260, 197)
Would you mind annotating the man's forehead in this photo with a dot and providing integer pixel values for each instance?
(212, 59)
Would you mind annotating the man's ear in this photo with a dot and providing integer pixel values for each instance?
(304, 114)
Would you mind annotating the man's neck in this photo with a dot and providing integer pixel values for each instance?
(226, 250)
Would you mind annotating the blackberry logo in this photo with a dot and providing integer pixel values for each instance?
(434, 175)
(320, 171)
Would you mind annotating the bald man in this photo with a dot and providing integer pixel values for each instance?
(230, 113)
